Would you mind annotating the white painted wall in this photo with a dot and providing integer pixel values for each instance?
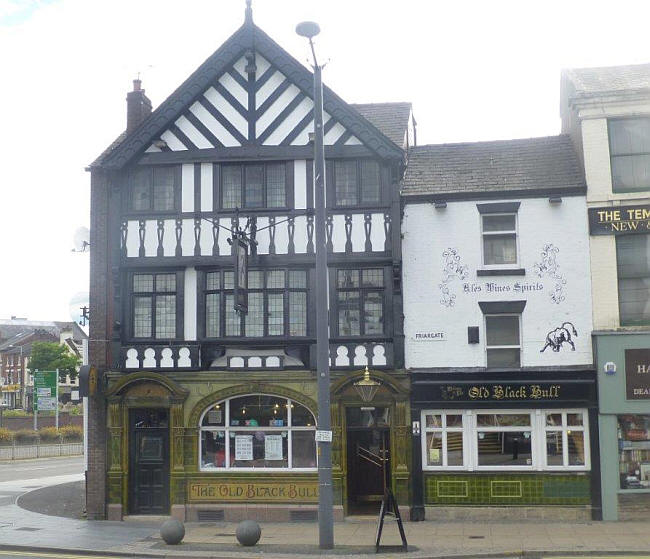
(428, 232)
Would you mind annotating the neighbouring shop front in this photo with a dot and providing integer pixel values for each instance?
(506, 441)
(623, 360)
(212, 447)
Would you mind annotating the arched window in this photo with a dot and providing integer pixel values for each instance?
(257, 431)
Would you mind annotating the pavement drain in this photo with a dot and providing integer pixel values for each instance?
(28, 529)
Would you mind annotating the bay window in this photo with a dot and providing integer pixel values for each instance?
(257, 431)
(505, 440)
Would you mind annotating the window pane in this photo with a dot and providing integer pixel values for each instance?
(166, 282)
(373, 313)
(166, 316)
(254, 186)
(634, 451)
(275, 279)
(345, 173)
(216, 416)
(504, 448)
(141, 196)
(228, 280)
(372, 278)
(553, 419)
(301, 416)
(303, 449)
(554, 452)
(349, 313)
(297, 278)
(499, 249)
(255, 279)
(576, 444)
(503, 419)
(454, 448)
(163, 188)
(259, 449)
(370, 193)
(499, 222)
(297, 313)
(574, 419)
(347, 278)
(233, 323)
(434, 420)
(212, 313)
(454, 421)
(212, 281)
(275, 186)
(629, 136)
(143, 283)
(503, 358)
(254, 320)
(631, 172)
(502, 330)
(231, 186)
(213, 449)
(258, 410)
(434, 449)
(142, 317)
(276, 314)
(633, 264)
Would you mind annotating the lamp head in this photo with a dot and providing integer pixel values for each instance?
(308, 29)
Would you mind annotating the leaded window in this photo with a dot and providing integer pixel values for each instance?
(356, 182)
(360, 301)
(154, 305)
(629, 143)
(277, 304)
(153, 189)
(257, 431)
(259, 185)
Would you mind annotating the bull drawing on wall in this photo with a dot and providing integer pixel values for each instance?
(556, 337)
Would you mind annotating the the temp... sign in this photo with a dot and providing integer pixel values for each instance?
(615, 220)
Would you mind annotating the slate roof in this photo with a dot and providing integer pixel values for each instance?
(609, 79)
(454, 170)
(116, 142)
(391, 119)
(10, 328)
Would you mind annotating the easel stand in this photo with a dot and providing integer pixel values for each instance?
(389, 508)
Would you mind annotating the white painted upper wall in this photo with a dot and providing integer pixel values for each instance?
(429, 233)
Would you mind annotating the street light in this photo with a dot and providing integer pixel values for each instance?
(310, 29)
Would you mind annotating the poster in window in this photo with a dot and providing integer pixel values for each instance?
(214, 417)
(273, 447)
(244, 447)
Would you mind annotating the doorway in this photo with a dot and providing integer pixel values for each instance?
(149, 461)
(368, 458)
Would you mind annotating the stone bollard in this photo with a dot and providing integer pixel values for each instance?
(172, 531)
(248, 532)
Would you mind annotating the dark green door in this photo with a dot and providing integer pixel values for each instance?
(149, 462)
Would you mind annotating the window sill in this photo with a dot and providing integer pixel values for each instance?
(501, 272)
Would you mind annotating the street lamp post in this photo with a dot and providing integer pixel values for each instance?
(309, 30)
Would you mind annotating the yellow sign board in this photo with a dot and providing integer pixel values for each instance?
(255, 491)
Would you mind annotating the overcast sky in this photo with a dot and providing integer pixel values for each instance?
(474, 70)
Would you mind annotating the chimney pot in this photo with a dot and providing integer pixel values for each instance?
(137, 84)
(138, 106)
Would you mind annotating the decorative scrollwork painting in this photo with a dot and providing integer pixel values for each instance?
(549, 267)
(452, 269)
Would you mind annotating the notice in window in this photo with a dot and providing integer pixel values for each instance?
(273, 447)
(244, 447)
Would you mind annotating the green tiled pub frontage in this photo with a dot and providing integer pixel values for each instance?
(505, 445)
(623, 360)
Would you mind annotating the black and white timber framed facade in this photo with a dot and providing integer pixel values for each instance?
(183, 378)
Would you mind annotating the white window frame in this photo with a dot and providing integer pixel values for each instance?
(514, 231)
(227, 429)
(537, 429)
(519, 346)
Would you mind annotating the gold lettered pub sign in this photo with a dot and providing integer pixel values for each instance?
(618, 220)
(254, 491)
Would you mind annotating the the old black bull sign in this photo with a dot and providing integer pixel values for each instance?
(614, 220)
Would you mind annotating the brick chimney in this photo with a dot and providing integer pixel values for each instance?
(138, 106)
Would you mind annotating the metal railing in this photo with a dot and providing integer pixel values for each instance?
(21, 452)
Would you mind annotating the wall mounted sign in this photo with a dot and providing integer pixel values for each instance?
(213, 491)
(617, 220)
(637, 374)
(430, 336)
(240, 252)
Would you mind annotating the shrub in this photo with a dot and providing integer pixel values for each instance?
(71, 433)
(49, 435)
(76, 410)
(16, 413)
(26, 436)
(6, 436)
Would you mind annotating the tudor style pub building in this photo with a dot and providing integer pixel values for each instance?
(205, 412)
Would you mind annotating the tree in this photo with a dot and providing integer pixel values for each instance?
(49, 356)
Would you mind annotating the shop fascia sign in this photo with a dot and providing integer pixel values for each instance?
(637, 374)
(618, 220)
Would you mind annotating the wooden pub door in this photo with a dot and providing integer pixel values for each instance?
(149, 461)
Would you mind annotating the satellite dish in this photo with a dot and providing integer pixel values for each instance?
(81, 240)
(308, 29)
